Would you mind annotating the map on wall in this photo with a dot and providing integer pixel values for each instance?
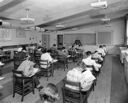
(20, 33)
(5, 34)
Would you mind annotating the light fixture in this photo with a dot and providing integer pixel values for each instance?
(1, 0)
(106, 19)
(27, 19)
(60, 25)
(99, 4)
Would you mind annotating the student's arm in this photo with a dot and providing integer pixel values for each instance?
(28, 70)
(50, 58)
(96, 66)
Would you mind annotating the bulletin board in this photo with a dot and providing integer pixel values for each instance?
(104, 37)
(5, 34)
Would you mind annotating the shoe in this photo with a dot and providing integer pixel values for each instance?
(1, 78)
(39, 88)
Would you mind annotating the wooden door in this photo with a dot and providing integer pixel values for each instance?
(46, 41)
(59, 41)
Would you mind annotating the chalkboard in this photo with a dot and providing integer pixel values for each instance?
(85, 38)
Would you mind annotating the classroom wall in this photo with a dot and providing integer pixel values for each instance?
(118, 31)
(18, 37)
(53, 38)
(116, 26)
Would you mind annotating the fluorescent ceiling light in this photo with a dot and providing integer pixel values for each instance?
(60, 26)
(99, 4)
(1, 0)
(105, 19)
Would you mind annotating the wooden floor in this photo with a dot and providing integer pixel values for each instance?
(102, 90)
(107, 90)
(119, 88)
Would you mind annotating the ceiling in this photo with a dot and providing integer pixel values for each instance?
(70, 13)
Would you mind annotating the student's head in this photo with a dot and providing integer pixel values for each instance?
(44, 51)
(100, 46)
(95, 52)
(81, 64)
(63, 48)
(54, 45)
(72, 47)
(23, 47)
(28, 57)
(88, 53)
(39, 48)
(1, 49)
(49, 93)
(104, 45)
(49, 51)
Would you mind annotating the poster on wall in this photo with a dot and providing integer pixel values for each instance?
(5, 34)
(20, 33)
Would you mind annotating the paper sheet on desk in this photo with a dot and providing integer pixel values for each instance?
(54, 60)
(35, 70)
(69, 56)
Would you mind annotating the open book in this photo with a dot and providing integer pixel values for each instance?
(35, 70)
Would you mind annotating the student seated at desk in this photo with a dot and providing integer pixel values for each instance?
(105, 49)
(72, 49)
(54, 47)
(27, 67)
(63, 52)
(97, 57)
(101, 51)
(39, 50)
(49, 94)
(80, 74)
(89, 62)
(47, 56)
(22, 49)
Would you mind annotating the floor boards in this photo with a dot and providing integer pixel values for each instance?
(119, 88)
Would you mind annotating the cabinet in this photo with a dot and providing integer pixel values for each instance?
(126, 69)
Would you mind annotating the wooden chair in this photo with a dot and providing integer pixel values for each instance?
(22, 85)
(18, 58)
(46, 68)
(37, 56)
(73, 55)
(71, 95)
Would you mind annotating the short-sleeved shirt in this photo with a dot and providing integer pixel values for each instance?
(25, 67)
(89, 62)
(46, 56)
